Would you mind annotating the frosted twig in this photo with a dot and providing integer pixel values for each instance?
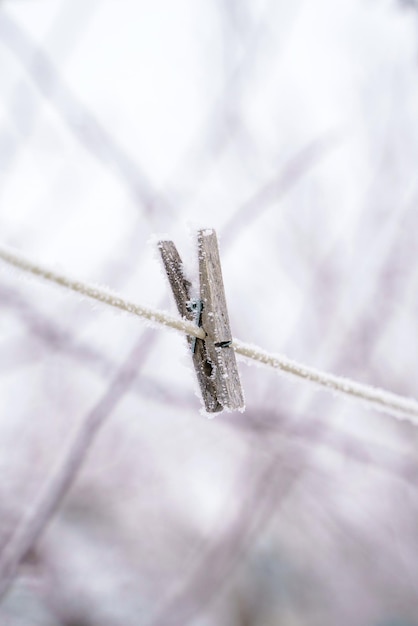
(385, 401)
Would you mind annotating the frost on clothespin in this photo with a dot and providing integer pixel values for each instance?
(213, 357)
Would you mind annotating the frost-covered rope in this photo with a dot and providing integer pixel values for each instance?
(385, 401)
(101, 294)
(393, 404)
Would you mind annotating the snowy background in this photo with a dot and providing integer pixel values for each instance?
(292, 128)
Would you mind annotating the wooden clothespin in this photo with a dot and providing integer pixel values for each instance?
(213, 357)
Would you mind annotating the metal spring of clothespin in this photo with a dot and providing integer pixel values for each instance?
(195, 306)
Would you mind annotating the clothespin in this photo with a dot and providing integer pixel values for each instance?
(213, 357)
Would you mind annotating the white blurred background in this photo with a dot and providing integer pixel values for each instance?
(291, 127)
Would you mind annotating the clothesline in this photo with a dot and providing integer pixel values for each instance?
(379, 399)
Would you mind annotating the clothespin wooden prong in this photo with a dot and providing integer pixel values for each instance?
(213, 357)
(215, 322)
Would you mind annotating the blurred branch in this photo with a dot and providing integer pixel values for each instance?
(262, 489)
(94, 137)
(225, 121)
(408, 4)
(24, 108)
(397, 265)
(308, 430)
(287, 178)
(64, 341)
(55, 489)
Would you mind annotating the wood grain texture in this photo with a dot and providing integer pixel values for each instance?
(181, 288)
(215, 322)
